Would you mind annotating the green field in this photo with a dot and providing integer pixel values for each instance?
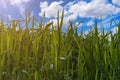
(48, 53)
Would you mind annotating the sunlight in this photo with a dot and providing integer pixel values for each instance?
(16, 2)
(6, 3)
(3, 3)
(9, 6)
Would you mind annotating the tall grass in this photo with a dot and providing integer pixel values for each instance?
(47, 53)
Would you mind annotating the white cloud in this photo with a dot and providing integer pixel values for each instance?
(50, 10)
(117, 2)
(73, 10)
(93, 9)
(17, 2)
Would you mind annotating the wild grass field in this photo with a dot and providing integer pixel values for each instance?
(48, 53)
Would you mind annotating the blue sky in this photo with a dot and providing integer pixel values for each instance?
(75, 10)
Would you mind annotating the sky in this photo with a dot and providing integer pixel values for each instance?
(74, 10)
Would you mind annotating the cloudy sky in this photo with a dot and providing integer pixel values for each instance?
(74, 10)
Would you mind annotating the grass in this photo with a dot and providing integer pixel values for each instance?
(47, 53)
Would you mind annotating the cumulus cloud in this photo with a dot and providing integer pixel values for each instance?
(73, 10)
(117, 2)
(93, 9)
(50, 10)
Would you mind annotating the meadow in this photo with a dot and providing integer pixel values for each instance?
(48, 53)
